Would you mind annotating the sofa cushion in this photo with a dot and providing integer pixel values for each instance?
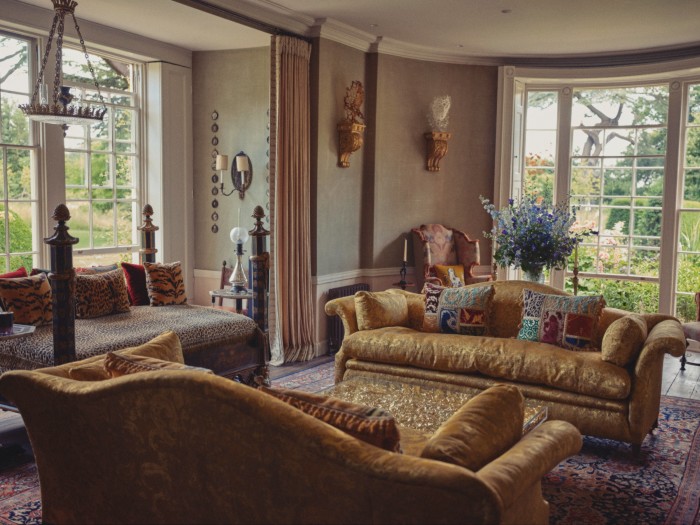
(465, 310)
(29, 298)
(432, 299)
(135, 275)
(165, 284)
(624, 339)
(371, 425)
(19, 272)
(118, 365)
(166, 347)
(483, 429)
(566, 321)
(101, 293)
(454, 279)
(380, 309)
(511, 359)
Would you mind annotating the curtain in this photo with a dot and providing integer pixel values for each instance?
(291, 319)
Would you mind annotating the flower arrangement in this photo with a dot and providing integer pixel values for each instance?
(439, 116)
(532, 234)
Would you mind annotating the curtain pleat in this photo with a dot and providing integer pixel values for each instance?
(291, 333)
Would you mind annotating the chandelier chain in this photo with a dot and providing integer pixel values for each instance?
(59, 55)
(44, 60)
(87, 58)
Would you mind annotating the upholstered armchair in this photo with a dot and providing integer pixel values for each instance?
(435, 244)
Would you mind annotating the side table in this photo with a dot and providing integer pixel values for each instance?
(239, 297)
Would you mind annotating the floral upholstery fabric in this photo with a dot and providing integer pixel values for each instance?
(465, 310)
(624, 339)
(440, 243)
(165, 284)
(431, 321)
(101, 293)
(379, 309)
(371, 425)
(29, 298)
(569, 322)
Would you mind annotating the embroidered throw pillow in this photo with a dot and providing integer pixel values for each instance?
(452, 276)
(100, 294)
(120, 365)
(623, 340)
(165, 284)
(19, 272)
(432, 297)
(29, 298)
(465, 310)
(380, 309)
(136, 284)
(561, 320)
(371, 425)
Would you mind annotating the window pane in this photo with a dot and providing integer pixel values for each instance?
(103, 224)
(618, 182)
(112, 74)
(19, 183)
(540, 144)
(620, 106)
(633, 296)
(651, 141)
(15, 125)
(80, 223)
(125, 170)
(76, 174)
(689, 238)
(99, 165)
(692, 187)
(125, 221)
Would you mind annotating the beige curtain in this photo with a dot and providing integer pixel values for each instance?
(291, 318)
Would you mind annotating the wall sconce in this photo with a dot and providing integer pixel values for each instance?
(241, 173)
(239, 282)
(437, 148)
(350, 129)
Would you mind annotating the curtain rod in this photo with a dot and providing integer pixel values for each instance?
(222, 12)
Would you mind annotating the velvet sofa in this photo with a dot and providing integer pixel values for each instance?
(184, 446)
(616, 400)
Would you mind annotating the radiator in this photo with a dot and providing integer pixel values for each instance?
(335, 325)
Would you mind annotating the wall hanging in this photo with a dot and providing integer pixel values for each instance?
(438, 119)
(351, 128)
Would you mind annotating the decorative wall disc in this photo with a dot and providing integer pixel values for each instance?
(214, 228)
(215, 127)
(215, 178)
(214, 216)
(214, 152)
(215, 191)
(214, 203)
(213, 165)
(214, 141)
(214, 115)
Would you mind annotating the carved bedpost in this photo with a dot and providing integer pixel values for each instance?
(258, 279)
(259, 232)
(148, 231)
(62, 280)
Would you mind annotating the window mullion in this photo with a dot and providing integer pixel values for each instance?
(562, 181)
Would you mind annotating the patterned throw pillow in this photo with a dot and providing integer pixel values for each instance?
(371, 425)
(100, 294)
(432, 298)
(561, 320)
(380, 309)
(136, 284)
(19, 272)
(165, 284)
(28, 297)
(120, 365)
(452, 276)
(465, 310)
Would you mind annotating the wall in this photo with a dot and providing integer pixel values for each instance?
(236, 84)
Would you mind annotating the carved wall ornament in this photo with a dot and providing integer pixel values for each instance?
(351, 128)
(438, 119)
(437, 148)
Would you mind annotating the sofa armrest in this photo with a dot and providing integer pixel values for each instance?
(530, 459)
(665, 337)
(344, 307)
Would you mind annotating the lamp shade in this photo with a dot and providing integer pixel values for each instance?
(222, 162)
(239, 235)
(242, 163)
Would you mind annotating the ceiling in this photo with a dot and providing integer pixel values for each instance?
(452, 30)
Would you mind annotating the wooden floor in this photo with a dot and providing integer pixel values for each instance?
(681, 384)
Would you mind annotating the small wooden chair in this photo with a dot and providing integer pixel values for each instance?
(226, 272)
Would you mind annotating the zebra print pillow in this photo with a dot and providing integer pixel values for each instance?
(165, 284)
(28, 297)
(100, 294)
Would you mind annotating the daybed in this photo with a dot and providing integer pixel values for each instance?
(601, 398)
(180, 446)
(230, 344)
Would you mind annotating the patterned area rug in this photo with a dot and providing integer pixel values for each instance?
(604, 484)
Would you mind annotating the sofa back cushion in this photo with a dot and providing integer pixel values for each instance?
(371, 425)
(482, 430)
(380, 309)
(624, 339)
(465, 310)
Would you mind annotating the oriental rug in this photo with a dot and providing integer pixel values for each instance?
(604, 484)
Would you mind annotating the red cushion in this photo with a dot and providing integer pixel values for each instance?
(19, 272)
(136, 284)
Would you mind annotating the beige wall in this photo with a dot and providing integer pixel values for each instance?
(237, 85)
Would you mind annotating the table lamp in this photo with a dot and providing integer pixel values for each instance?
(239, 282)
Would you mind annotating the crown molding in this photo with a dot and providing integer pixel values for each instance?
(331, 29)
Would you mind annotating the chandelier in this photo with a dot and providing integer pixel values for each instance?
(59, 109)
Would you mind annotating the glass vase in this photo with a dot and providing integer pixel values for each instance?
(534, 274)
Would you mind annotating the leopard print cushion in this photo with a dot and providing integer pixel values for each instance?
(120, 365)
(29, 298)
(165, 284)
(100, 294)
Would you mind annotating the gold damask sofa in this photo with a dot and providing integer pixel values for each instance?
(616, 400)
(184, 446)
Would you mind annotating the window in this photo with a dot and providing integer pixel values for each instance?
(610, 147)
(102, 160)
(18, 195)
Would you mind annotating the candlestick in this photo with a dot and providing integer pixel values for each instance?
(405, 247)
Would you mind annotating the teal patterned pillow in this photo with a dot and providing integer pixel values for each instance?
(465, 310)
(561, 320)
